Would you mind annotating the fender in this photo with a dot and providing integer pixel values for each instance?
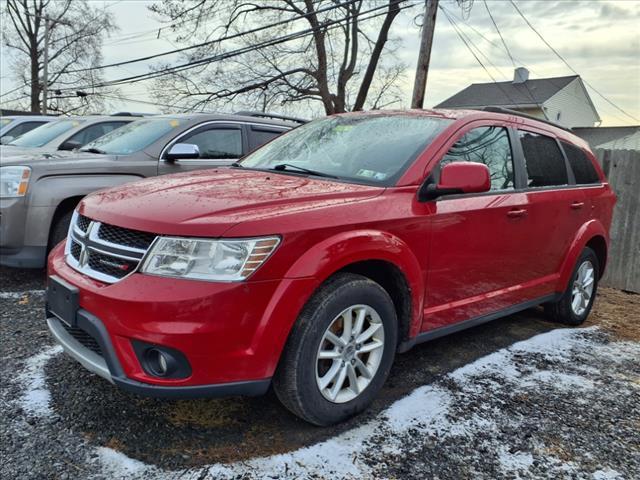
(323, 260)
(593, 228)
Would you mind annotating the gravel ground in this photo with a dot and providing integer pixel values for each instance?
(515, 398)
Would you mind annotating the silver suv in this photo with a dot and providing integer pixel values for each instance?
(38, 193)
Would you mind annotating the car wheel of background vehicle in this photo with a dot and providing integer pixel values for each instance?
(59, 229)
(575, 304)
(339, 352)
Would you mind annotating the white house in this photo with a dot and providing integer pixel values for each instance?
(562, 100)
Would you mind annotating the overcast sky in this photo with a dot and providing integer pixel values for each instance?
(599, 39)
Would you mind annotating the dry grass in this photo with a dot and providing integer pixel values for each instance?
(617, 312)
(209, 414)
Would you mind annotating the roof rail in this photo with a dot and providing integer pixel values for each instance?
(275, 116)
(524, 115)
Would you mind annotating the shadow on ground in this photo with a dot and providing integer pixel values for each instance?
(178, 434)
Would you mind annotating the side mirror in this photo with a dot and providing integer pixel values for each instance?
(183, 151)
(6, 139)
(70, 145)
(456, 178)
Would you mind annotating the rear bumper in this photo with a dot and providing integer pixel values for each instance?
(108, 366)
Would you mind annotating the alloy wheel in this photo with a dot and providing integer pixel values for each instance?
(349, 353)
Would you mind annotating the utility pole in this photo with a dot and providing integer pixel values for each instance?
(426, 42)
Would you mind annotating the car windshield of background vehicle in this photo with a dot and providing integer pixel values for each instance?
(374, 150)
(133, 137)
(5, 121)
(45, 133)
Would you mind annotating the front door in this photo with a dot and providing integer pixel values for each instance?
(476, 265)
(219, 145)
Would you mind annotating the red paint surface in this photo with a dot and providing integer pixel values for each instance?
(461, 256)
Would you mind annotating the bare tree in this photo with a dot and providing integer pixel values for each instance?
(337, 62)
(76, 33)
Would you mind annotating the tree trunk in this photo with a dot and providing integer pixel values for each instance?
(35, 81)
(394, 9)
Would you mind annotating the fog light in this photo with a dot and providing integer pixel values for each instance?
(161, 361)
(158, 362)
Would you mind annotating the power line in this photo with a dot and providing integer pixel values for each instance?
(567, 63)
(464, 40)
(218, 40)
(278, 40)
(520, 62)
(504, 43)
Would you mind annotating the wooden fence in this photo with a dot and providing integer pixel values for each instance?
(622, 168)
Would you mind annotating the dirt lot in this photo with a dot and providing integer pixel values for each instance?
(519, 397)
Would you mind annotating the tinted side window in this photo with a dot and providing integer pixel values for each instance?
(217, 143)
(583, 169)
(545, 163)
(259, 137)
(93, 132)
(23, 128)
(488, 145)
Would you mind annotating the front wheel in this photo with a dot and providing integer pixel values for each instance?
(340, 351)
(574, 305)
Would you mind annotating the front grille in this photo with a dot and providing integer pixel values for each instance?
(110, 265)
(75, 249)
(105, 252)
(83, 223)
(83, 338)
(126, 237)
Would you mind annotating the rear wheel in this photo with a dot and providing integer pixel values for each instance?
(340, 351)
(576, 302)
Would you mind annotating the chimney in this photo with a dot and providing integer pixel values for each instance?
(520, 75)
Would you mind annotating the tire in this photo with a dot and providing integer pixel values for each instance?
(59, 229)
(300, 373)
(564, 310)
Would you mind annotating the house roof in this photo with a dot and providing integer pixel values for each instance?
(596, 136)
(630, 142)
(528, 94)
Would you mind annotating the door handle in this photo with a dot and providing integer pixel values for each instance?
(516, 213)
(577, 205)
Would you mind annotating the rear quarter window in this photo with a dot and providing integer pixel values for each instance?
(544, 160)
(260, 136)
(582, 167)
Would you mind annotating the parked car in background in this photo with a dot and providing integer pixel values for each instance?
(66, 133)
(14, 126)
(311, 262)
(39, 192)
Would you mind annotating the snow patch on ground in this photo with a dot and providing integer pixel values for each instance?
(36, 397)
(427, 412)
(20, 295)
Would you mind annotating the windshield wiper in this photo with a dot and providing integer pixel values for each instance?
(284, 166)
(93, 150)
(237, 165)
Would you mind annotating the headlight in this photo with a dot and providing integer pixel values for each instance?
(213, 260)
(14, 181)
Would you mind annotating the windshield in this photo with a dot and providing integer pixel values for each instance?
(362, 148)
(45, 133)
(133, 137)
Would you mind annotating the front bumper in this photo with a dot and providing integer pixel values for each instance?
(108, 366)
(24, 233)
(232, 334)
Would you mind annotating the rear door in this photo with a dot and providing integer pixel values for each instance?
(219, 144)
(476, 265)
(556, 208)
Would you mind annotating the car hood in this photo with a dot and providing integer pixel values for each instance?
(209, 202)
(50, 159)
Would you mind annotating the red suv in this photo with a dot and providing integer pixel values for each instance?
(309, 264)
